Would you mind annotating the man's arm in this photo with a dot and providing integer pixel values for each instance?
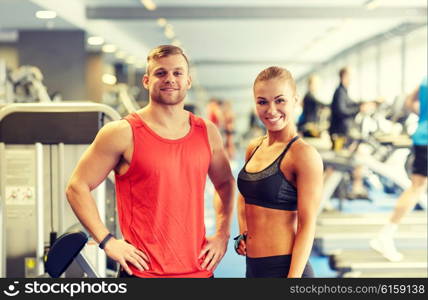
(345, 105)
(412, 101)
(221, 176)
(94, 166)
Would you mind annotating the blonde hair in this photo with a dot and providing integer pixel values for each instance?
(276, 73)
(164, 51)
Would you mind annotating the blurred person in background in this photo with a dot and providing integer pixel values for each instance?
(309, 122)
(343, 112)
(229, 128)
(214, 112)
(416, 102)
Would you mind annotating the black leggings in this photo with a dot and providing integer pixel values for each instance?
(273, 267)
(420, 162)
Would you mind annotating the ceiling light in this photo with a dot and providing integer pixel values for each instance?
(109, 48)
(162, 22)
(372, 4)
(149, 4)
(95, 40)
(109, 79)
(46, 14)
(169, 31)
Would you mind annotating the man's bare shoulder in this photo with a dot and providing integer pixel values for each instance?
(214, 135)
(117, 128)
(116, 134)
(211, 127)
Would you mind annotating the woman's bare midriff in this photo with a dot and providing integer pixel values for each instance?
(270, 231)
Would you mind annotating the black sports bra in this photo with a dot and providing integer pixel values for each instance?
(269, 187)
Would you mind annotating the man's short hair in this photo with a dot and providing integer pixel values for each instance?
(342, 72)
(164, 51)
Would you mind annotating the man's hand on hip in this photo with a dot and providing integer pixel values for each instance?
(214, 250)
(123, 252)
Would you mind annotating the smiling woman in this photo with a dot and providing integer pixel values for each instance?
(277, 195)
(275, 92)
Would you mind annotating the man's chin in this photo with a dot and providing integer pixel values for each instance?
(173, 101)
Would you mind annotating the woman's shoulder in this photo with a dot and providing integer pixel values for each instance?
(253, 144)
(303, 153)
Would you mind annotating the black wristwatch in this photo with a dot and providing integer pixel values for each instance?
(238, 238)
(105, 240)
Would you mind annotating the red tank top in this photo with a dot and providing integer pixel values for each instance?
(213, 118)
(160, 199)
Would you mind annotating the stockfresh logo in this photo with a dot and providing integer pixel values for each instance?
(12, 291)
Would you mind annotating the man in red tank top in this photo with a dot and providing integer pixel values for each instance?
(161, 156)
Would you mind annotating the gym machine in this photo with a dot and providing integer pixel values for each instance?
(40, 144)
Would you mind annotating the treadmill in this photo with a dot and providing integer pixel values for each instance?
(347, 237)
(337, 218)
(369, 263)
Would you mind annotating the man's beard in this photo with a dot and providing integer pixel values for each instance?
(169, 100)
